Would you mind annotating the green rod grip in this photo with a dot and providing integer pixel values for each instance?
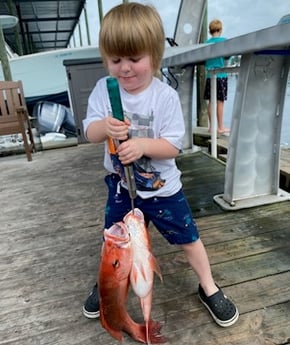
(115, 99)
(117, 110)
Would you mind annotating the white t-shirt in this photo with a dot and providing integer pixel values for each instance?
(155, 113)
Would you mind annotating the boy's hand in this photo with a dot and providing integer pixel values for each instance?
(117, 129)
(130, 150)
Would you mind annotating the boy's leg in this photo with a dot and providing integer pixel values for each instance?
(222, 91)
(198, 260)
(220, 116)
(206, 96)
(209, 116)
(172, 217)
(222, 309)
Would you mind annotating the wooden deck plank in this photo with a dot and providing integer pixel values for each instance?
(51, 229)
(255, 328)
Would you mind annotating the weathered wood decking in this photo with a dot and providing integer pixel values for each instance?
(50, 236)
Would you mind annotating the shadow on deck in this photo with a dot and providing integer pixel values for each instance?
(51, 228)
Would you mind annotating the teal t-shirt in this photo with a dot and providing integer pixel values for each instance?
(216, 62)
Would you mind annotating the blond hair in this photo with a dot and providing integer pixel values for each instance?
(132, 29)
(215, 26)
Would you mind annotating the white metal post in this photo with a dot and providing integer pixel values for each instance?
(213, 114)
(5, 23)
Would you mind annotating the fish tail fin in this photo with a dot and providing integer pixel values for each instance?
(154, 335)
(154, 332)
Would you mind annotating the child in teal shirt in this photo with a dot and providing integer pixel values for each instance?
(215, 29)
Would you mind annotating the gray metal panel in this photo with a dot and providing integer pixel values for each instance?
(82, 76)
(82, 61)
(254, 147)
(189, 22)
(184, 78)
(187, 32)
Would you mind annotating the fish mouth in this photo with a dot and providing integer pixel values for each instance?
(118, 233)
(136, 213)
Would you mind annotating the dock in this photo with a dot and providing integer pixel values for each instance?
(51, 224)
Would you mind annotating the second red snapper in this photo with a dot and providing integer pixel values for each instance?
(144, 263)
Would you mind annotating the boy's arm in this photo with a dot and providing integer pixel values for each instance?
(159, 148)
(96, 132)
(133, 149)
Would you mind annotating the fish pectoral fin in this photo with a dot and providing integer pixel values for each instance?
(146, 274)
(134, 274)
(155, 266)
(141, 273)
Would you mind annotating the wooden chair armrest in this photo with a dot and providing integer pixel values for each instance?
(20, 108)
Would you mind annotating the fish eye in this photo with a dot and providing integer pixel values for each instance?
(116, 263)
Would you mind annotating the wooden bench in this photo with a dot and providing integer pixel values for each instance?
(14, 117)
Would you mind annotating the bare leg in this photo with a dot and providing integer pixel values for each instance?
(220, 117)
(198, 259)
(209, 116)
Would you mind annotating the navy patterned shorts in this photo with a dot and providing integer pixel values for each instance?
(221, 91)
(170, 215)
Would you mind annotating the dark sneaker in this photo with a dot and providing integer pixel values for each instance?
(91, 308)
(223, 310)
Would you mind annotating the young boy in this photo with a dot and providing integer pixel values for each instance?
(132, 44)
(215, 29)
